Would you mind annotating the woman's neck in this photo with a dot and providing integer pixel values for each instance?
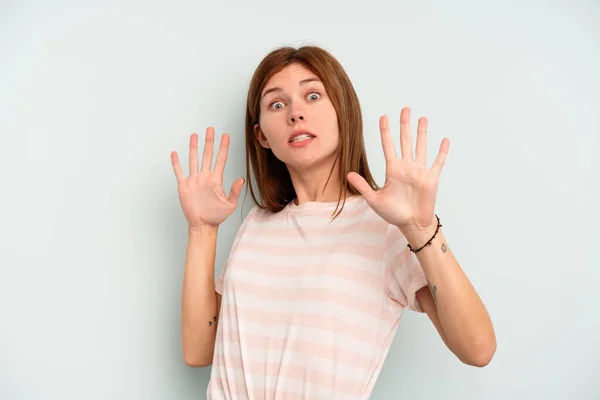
(310, 185)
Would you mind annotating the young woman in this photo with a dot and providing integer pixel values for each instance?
(326, 261)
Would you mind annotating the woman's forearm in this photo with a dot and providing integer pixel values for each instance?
(198, 300)
(464, 319)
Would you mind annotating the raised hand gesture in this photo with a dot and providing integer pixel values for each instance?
(408, 196)
(201, 194)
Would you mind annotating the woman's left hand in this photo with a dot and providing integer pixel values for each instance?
(408, 196)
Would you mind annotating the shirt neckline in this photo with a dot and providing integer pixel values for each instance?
(321, 205)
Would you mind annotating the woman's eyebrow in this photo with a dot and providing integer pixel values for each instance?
(302, 82)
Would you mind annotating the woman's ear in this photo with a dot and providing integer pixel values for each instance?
(262, 139)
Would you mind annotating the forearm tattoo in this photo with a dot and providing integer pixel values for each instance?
(433, 290)
(213, 320)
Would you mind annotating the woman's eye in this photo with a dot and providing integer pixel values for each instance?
(278, 105)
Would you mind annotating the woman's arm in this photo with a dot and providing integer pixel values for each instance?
(205, 206)
(407, 201)
(200, 303)
(452, 303)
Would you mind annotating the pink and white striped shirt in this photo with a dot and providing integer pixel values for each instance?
(310, 306)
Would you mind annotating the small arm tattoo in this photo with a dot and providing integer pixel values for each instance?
(433, 290)
(214, 320)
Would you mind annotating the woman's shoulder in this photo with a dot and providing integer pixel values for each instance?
(258, 215)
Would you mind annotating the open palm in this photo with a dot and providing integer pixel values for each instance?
(408, 196)
(201, 194)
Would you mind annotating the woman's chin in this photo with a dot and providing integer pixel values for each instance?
(310, 163)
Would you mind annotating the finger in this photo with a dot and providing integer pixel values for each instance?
(176, 167)
(440, 160)
(236, 189)
(193, 154)
(405, 136)
(222, 155)
(361, 185)
(421, 146)
(389, 151)
(209, 143)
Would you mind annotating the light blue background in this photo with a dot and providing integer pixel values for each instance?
(95, 95)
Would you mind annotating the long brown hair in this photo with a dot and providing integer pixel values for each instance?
(271, 174)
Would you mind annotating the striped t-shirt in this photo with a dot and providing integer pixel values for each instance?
(310, 306)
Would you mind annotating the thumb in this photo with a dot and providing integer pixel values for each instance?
(235, 191)
(360, 184)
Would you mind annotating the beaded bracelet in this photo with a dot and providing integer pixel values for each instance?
(430, 240)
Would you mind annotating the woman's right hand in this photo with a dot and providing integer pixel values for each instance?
(201, 194)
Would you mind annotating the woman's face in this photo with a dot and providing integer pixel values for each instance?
(297, 119)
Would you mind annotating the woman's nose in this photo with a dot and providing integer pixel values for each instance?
(296, 116)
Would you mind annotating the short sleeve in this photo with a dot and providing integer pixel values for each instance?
(404, 275)
(220, 280)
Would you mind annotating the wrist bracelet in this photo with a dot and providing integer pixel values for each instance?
(430, 240)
